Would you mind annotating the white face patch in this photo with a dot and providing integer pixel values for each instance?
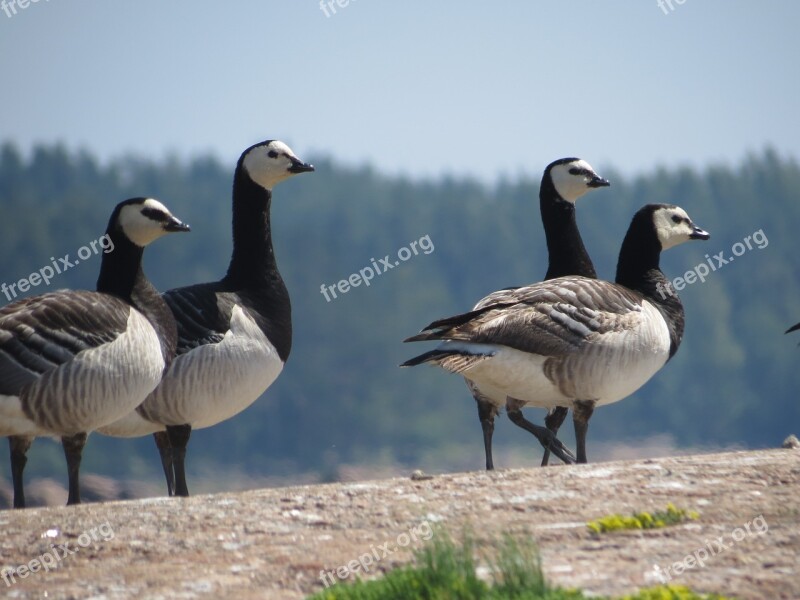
(269, 164)
(673, 226)
(571, 186)
(142, 229)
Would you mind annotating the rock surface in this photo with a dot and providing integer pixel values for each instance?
(274, 543)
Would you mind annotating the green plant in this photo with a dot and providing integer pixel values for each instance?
(444, 570)
(671, 592)
(643, 520)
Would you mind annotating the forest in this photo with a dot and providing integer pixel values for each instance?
(370, 259)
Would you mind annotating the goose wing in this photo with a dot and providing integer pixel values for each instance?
(504, 296)
(203, 313)
(40, 333)
(552, 318)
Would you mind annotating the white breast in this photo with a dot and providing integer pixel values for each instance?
(214, 382)
(626, 360)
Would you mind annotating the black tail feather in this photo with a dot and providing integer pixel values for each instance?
(438, 330)
(450, 359)
(426, 357)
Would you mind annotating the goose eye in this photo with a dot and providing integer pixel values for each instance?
(574, 171)
(272, 154)
(676, 219)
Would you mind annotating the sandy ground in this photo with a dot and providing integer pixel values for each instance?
(275, 543)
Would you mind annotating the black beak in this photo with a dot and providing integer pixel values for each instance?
(699, 234)
(793, 328)
(174, 225)
(298, 166)
(597, 182)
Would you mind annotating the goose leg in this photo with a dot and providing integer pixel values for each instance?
(165, 452)
(73, 451)
(546, 437)
(178, 439)
(19, 445)
(553, 421)
(581, 413)
(486, 413)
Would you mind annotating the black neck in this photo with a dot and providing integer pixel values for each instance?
(253, 273)
(121, 275)
(253, 262)
(638, 270)
(566, 253)
(121, 269)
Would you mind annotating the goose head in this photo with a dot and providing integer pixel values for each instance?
(270, 162)
(673, 226)
(573, 177)
(144, 220)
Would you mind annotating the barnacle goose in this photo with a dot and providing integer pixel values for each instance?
(564, 181)
(574, 341)
(234, 335)
(72, 361)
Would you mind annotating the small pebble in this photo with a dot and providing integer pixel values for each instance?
(791, 442)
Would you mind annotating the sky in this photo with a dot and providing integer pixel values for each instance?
(417, 88)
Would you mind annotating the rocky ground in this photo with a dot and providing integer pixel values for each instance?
(274, 543)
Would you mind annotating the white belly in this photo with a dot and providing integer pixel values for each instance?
(214, 382)
(517, 374)
(131, 425)
(495, 397)
(13, 421)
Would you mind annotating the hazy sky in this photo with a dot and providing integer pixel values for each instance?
(415, 87)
